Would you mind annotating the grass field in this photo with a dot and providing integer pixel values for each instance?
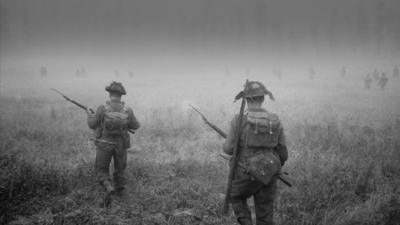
(344, 149)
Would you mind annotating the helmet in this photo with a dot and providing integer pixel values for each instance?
(254, 89)
(116, 87)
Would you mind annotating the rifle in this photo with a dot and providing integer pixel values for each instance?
(72, 101)
(235, 159)
(80, 105)
(222, 134)
(219, 131)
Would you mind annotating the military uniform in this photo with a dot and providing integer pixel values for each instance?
(274, 143)
(383, 81)
(112, 145)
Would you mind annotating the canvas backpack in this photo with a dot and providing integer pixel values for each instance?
(261, 133)
(262, 130)
(115, 122)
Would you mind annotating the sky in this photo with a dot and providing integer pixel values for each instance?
(134, 30)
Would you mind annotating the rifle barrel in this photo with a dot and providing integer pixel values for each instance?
(70, 100)
(215, 128)
(234, 158)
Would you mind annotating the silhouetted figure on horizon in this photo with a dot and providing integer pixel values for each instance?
(383, 80)
(343, 72)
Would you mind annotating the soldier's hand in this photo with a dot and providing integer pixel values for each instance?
(90, 111)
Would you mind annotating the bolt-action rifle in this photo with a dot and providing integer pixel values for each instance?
(235, 158)
(80, 105)
(222, 134)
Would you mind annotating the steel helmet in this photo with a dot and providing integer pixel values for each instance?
(254, 89)
(116, 87)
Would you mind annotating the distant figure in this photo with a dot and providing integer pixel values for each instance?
(130, 74)
(368, 81)
(383, 81)
(77, 73)
(311, 73)
(43, 71)
(343, 71)
(396, 72)
(376, 74)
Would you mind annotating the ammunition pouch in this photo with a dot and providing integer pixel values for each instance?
(263, 165)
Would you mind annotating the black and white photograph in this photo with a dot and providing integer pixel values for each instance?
(200, 112)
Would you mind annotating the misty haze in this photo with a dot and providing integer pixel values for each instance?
(332, 67)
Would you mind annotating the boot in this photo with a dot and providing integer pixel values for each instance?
(109, 191)
(121, 192)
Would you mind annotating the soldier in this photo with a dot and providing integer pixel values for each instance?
(111, 123)
(383, 81)
(367, 81)
(261, 136)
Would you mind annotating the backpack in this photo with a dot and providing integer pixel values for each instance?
(115, 122)
(262, 130)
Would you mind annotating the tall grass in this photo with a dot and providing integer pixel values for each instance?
(344, 170)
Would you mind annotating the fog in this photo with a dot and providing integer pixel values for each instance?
(197, 32)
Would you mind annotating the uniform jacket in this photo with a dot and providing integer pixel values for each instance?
(95, 123)
(280, 149)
